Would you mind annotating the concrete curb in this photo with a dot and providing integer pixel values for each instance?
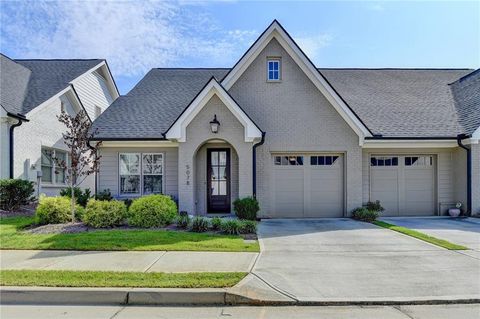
(207, 297)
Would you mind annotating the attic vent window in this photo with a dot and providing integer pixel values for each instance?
(273, 69)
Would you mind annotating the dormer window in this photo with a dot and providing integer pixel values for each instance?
(273, 69)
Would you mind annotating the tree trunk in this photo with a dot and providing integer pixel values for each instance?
(72, 203)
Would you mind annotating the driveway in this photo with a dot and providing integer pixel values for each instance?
(341, 259)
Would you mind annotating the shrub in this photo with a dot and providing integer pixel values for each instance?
(231, 226)
(199, 224)
(55, 210)
(216, 223)
(14, 193)
(101, 214)
(104, 195)
(248, 227)
(152, 211)
(375, 206)
(246, 208)
(81, 198)
(364, 214)
(183, 220)
(128, 202)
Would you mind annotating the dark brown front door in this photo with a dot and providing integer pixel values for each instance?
(218, 180)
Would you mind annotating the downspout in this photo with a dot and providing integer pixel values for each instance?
(20, 119)
(254, 164)
(460, 137)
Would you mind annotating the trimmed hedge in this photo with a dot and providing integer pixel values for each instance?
(14, 193)
(364, 214)
(152, 211)
(246, 208)
(56, 210)
(102, 214)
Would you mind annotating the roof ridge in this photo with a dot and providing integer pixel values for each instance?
(191, 68)
(408, 69)
(59, 59)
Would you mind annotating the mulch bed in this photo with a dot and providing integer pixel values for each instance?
(26, 211)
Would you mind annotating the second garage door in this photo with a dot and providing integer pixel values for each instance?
(308, 186)
(404, 185)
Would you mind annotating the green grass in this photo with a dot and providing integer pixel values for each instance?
(416, 234)
(12, 237)
(61, 278)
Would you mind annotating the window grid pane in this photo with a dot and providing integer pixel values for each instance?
(326, 160)
(384, 161)
(273, 70)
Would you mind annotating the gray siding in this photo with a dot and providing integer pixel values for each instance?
(475, 179)
(108, 175)
(93, 91)
(296, 118)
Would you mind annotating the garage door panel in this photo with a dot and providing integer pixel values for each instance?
(288, 184)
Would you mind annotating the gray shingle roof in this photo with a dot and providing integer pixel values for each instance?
(46, 78)
(401, 102)
(466, 93)
(13, 84)
(391, 102)
(154, 103)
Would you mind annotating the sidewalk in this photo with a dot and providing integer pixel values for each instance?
(137, 261)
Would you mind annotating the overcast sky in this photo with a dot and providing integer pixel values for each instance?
(135, 36)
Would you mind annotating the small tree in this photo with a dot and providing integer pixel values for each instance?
(84, 159)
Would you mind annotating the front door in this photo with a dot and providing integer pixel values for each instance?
(218, 180)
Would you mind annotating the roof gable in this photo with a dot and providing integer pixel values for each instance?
(466, 94)
(276, 31)
(178, 129)
(14, 80)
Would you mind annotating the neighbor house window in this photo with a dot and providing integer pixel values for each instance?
(288, 160)
(51, 173)
(418, 161)
(384, 161)
(323, 160)
(141, 173)
(273, 69)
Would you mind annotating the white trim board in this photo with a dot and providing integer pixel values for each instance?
(276, 31)
(409, 144)
(137, 143)
(177, 131)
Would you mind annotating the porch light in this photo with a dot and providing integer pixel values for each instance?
(214, 124)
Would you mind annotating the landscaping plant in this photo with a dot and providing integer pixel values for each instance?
(183, 220)
(199, 224)
(248, 227)
(246, 208)
(104, 195)
(230, 226)
(216, 223)
(82, 197)
(14, 193)
(83, 160)
(102, 214)
(152, 211)
(364, 214)
(375, 206)
(55, 210)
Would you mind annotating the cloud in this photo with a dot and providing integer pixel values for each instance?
(133, 36)
(313, 45)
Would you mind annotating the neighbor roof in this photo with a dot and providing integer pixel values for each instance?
(45, 79)
(149, 109)
(391, 102)
(466, 93)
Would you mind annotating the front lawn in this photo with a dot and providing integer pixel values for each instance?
(61, 278)
(416, 234)
(12, 237)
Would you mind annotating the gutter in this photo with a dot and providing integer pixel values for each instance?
(461, 137)
(20, 119)
(254, 164)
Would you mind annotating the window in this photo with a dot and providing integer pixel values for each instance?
(323, 160)
(418, 161)
(98, 111)
(288, 160)
(50, 172)
(273, 69)
(384, 161)
(141, 173)
(152, 168)
(62, 106)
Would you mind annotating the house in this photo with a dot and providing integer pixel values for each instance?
(306, 142)
(32, 94)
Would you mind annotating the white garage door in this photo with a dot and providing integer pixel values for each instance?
(308, 186)
(404, 185)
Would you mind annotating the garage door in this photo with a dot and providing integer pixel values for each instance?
(308, 186)
(404, 185)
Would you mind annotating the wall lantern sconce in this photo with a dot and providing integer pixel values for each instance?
(214, 124)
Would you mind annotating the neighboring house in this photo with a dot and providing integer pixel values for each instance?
(32, 94)
(306, 142)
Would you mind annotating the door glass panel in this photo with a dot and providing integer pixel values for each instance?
(222, 189)
(214, 159)
(223, 158)
(215, 175)
(214, 188)
(222, 173)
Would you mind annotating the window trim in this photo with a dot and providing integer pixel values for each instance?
(141, 192)
(54, 165)
(279, 61)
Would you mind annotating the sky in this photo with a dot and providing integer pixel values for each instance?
(136, 36)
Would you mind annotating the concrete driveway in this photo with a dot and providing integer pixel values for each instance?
(341, 259)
